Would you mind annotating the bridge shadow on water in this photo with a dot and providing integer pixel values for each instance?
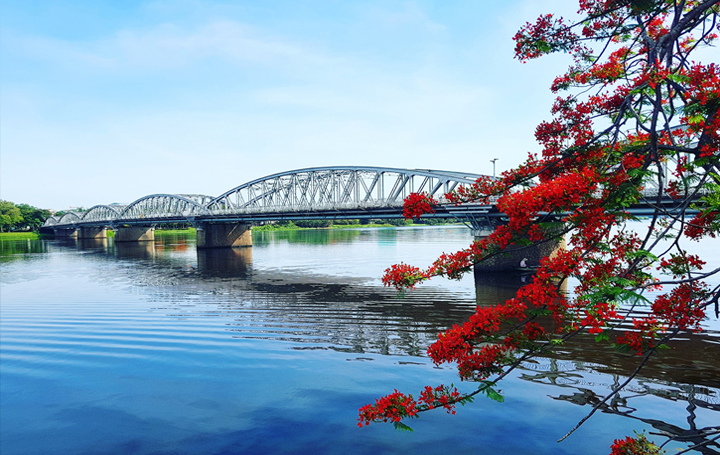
(359, 316)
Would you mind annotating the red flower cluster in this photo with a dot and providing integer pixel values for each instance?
(644, 338)
(546, 35)
(680, 265)
(585, 182)
(701, 225)
(681, 308)
(597, 316)
(402, 276)
(417, 204)
(392, 408)
(440, 396)
(397, 405)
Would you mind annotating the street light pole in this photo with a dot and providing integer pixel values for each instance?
(493, 162)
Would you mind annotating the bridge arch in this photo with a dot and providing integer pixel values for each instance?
(336, 187)
(52, 221)
(159, 206)
(70, 218)
(100, 213)
(201, 199)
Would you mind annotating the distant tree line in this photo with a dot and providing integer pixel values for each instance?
(21, 217)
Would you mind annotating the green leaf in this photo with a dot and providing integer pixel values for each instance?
(633, 298)
(641, 253)
(494, 395)
(602, 337)
(543, 46)
(522, 241)
(538, 312)
(464, 400)
(621, 347)
(402, 427)
(679, 78)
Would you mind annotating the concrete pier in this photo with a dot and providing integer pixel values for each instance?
(512, 257)
(134, 234)
(66, 233)
(92, 232)
(224, 235)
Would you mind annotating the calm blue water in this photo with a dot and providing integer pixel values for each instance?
(161, 349)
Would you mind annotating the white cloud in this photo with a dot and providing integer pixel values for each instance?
(168, 46)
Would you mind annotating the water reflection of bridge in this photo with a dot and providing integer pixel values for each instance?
(588, 383)
(353, 306)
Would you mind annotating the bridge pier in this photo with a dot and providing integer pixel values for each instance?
(512, 257)
(66, 233)
(134, 234)
(481, 233)
(92, 232)
(224, 235)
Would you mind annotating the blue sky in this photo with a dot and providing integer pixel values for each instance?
(107, 101)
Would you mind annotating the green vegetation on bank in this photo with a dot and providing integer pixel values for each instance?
(27, 235)
(279, 226)
(164, 232)
(21, 217)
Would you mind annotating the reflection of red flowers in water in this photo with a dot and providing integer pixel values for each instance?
(634, 446)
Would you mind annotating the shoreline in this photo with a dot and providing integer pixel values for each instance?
(32, 235)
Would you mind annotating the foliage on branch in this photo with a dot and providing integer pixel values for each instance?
(638, 123)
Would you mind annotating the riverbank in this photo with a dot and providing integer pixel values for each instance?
(30, 235)
(288, 226)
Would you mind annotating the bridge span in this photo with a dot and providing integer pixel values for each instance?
(322, 193)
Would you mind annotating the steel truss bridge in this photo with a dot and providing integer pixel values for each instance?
(322, 193)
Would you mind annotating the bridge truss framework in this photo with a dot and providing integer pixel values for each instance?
(343, 192)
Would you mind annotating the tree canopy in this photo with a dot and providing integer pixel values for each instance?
(635, 123)
(21, 216)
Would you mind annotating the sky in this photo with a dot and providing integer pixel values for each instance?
(106, 101)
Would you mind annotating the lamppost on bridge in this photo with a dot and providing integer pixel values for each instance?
(493, 162)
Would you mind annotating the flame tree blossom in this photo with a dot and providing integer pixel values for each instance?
(635, 121)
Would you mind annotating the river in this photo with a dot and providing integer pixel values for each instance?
(162, 349)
